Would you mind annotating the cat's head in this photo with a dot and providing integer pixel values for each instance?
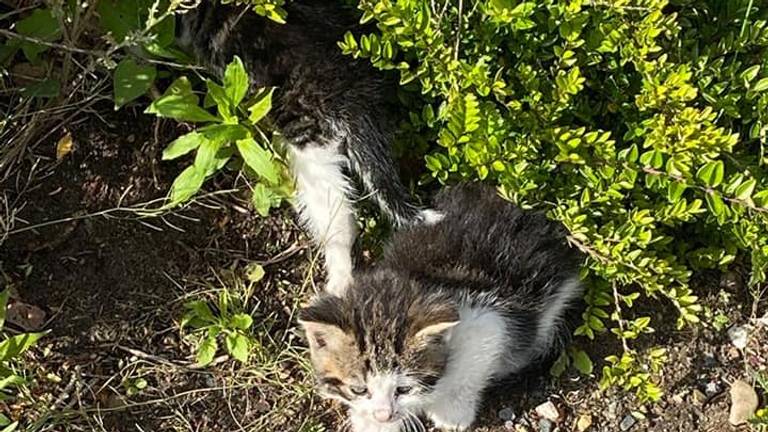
(381, 348)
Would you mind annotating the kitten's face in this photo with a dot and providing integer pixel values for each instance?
(382, 367)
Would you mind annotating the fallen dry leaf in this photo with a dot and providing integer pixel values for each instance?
(743, 403)
(64, 146)
(26, 316)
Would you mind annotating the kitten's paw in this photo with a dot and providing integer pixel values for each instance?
(452, 418)
(338, 283)
(430, 217)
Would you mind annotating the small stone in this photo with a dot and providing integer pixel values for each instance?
(522, 428)
(710, 360)
(610, 413)
(509, 425)
(743, 403)
(712, 388)
(738, 336)
(507, 414)
(627, 422)
(733, 353)
(584, 422)
(698, 397)
(678, 397)
(549, 411)
(545, 425)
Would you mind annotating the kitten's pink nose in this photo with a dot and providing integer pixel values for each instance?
(382, 415)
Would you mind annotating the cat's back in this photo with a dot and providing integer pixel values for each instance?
(214, 32)
(483, 234)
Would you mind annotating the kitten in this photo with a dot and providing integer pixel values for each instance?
(332, 109)
(484, 293)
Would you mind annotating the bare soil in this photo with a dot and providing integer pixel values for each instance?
(112, 284)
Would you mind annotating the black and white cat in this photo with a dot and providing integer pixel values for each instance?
(332, 109)
(486, 292)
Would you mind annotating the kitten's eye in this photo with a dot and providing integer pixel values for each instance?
(358, 390)
(403, 390)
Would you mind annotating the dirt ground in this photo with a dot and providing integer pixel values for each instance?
(112, 280)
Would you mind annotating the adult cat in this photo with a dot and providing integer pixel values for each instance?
(332, 109)
(486, 292)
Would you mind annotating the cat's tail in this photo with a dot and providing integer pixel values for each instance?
(377, 170)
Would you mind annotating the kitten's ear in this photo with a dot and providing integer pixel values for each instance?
(435, 330)
(323, 323)
(321, 335)
(433, 321)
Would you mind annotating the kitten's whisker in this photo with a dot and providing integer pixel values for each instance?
(418, 425)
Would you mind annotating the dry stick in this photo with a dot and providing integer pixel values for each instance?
(618, 317)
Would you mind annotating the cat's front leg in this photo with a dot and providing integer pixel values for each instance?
(453, 412)
(323, 197)
(476, 348)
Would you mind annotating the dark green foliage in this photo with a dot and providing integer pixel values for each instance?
(640, 124)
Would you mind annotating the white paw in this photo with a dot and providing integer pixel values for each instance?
(431, 217)
(452, 418)
(338, 283)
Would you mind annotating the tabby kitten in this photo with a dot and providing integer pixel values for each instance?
(484, 293)
(332, 109)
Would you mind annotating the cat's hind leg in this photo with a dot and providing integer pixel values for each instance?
(324, 203)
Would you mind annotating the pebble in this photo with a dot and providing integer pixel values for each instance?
(738, 336)
(507, 414)
(584, 422)
(627, 422)
(545, 425)
(549, 411)
(698, 397)
(743, 403)
(510, 425)
(610, 413)
(710, 360)
(712, 388)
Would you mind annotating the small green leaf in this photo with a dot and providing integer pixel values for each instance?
(560, 365)
(180, 103)
(711, 173)
(715, 203)
(258, 159)
(182, 145)
(11, 427)
(261, 105)
(262, 199)
(254, 272)
(236, 81)
(582, 362)
(131, 80)
(761, 85)
(16, 345)
(744, 192)
(206, 351)
(44, 89)
(12, 380)
(675, 191)
(224, 133)
(186, 185)
(750, 74)
(200, 309)
(4, 296)
(238, 346)
(40, 24)
(241, 321)
(220, 98)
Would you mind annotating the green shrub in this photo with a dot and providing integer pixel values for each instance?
(640, 124)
